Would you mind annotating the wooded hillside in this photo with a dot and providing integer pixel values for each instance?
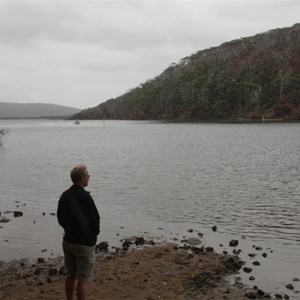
(249, 78)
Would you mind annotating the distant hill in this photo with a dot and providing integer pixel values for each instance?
(246, 79)
(34, 110)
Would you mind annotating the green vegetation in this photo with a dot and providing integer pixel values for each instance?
(251, 78)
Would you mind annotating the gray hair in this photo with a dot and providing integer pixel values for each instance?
(78, 172)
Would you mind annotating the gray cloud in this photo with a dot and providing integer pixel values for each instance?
(85, 52)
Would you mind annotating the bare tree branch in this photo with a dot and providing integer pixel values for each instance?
(3, 132)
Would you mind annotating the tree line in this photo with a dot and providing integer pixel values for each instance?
(249, 78)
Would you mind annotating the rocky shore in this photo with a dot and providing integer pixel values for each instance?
(147, 269)
(140, 269)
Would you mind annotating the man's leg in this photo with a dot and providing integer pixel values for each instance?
(70, 287)
(70, 265)
(82, 290)
(85, 263)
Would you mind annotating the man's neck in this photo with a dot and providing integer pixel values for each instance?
(79, 185)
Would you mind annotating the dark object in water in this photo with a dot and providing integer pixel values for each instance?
(18, 214)
(233, 243)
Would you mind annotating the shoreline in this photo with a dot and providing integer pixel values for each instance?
(208, 121)
(255, 255)
(139, 270)
(152, 272)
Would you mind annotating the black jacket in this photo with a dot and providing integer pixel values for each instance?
(78, 215)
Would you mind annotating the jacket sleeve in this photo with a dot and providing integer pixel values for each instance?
(61, 214)
(95, 217)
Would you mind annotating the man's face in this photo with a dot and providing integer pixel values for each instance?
(85, 179)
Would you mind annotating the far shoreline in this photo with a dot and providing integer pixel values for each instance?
(171, 121)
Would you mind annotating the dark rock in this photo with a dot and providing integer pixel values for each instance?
(214, 228)
(251, 254)
(247, 270)
(296, 279)
(140, 241)
(258, 248)
(198, 250)
(151, 242)
(260, 293)
(236, 251)
(52, 272)
(264, 255)
(278, 296)
(233, 243)
(256, 263)
(190, 230)
(250, 295)
(209, 249)
(62, 271)
(233, 263)
(18, 214)
(126, 244)
(4, 220)
(268, 296)
(289, 286)
(37, 271)
(286, 297)
(191, 241)
(40, 260)
(102, 247)
(251, 278)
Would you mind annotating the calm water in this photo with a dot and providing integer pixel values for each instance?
(160, 180)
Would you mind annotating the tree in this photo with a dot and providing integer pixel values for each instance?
(3, 132)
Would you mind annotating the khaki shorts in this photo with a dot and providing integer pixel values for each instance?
(79, 261)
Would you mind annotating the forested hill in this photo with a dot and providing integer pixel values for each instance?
(249, 78)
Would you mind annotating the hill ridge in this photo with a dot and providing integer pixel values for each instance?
(250, 78)
(35, 110)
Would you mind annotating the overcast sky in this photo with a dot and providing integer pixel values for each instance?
(82, 53)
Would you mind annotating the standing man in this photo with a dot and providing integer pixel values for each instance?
(79, 217)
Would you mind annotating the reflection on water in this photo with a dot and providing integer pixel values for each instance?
(148, 175)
